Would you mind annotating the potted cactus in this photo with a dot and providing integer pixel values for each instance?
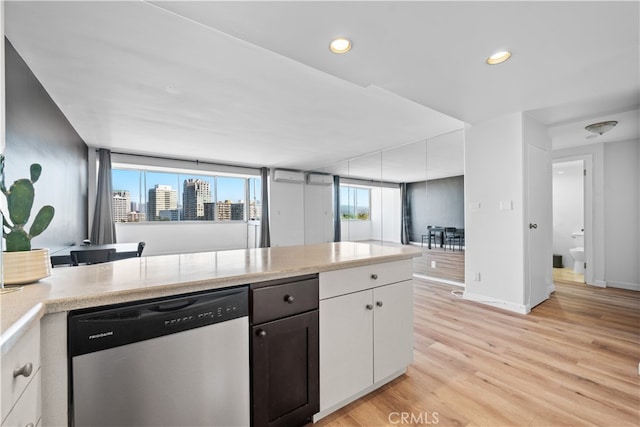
(21, 264)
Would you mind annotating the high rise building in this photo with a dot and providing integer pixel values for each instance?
(161, 198)
(230, 211)
(195, 193)
(255, 210)
(121, 204)
(136, 217)
(210, 211)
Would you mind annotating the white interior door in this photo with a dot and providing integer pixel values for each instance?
(539, 281)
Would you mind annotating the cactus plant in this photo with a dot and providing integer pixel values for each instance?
(19, 203)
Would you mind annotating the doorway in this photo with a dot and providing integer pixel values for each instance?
(571, 219)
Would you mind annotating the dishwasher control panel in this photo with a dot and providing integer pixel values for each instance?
(104, 327)
(223, 312)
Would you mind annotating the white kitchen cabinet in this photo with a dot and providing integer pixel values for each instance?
(21, 381)
(393, 329)
(366, 332)
(346, 347)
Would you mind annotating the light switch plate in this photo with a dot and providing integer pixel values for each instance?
(506, 205)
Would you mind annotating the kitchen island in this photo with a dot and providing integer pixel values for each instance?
(44, 305)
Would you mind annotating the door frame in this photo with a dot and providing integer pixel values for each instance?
(587, 162)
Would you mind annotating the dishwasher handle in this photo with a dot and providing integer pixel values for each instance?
(139, 313)
(158, 308)
(172, 306)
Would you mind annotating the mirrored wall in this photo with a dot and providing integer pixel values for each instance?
(371, 207)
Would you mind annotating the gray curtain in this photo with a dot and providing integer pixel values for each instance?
(404, 215)
(336, 209)
(265, 236)
(103, 230)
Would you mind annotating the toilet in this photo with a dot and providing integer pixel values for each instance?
(577, 253)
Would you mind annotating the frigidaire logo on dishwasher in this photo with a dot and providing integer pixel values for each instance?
(101, 335)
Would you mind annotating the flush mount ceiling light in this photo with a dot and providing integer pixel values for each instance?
(498, 57)
(601, 127)
(340, 45)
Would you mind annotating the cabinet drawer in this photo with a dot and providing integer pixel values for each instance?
(349, 280)
(281, 300)
(25, 351)
(28, 409)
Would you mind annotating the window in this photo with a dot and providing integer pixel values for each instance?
(355, 203)
(141, 195)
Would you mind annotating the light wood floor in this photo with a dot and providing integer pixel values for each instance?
(572, 362)
(567, 274)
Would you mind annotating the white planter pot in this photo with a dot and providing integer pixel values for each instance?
(21, 268)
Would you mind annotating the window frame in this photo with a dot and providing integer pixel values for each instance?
(186, 170)
(355, 206)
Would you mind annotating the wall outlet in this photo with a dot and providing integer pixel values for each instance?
(476, 277)
(433, 264)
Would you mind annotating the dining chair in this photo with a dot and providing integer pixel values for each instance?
(92, 256)
(450, 237)
(428, 236)
(460, 236)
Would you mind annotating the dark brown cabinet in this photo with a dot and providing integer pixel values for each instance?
(284, 352)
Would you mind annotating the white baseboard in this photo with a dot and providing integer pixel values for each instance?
(439, 280)
(494, 302)
(600, 283)
(624, 285)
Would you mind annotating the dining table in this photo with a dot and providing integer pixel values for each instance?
(431, 231)
(437, 229)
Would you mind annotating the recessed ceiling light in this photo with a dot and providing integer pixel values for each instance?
(340, 45)
(498, 57)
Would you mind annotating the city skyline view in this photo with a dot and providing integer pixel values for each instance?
(228, 188)
(140, 195)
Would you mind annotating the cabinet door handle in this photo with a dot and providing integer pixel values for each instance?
(379, 303)
(24, 370)
(533, 226)
(261, 333)
(369, 307)
(289, 299)
(374, 276)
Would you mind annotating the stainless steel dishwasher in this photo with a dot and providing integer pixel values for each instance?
(177, 361)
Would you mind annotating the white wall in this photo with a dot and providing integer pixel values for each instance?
(2, 100)
(391, 209)
(286, 213)
(3, 205)
(184, 237)
(568, 208)
(318, 214)
(621, 200)
(494, 239)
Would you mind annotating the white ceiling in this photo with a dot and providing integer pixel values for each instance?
(254, 82)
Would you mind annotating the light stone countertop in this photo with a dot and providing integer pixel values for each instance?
(70, 288)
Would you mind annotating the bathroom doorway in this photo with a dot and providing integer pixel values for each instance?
(569, 220)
